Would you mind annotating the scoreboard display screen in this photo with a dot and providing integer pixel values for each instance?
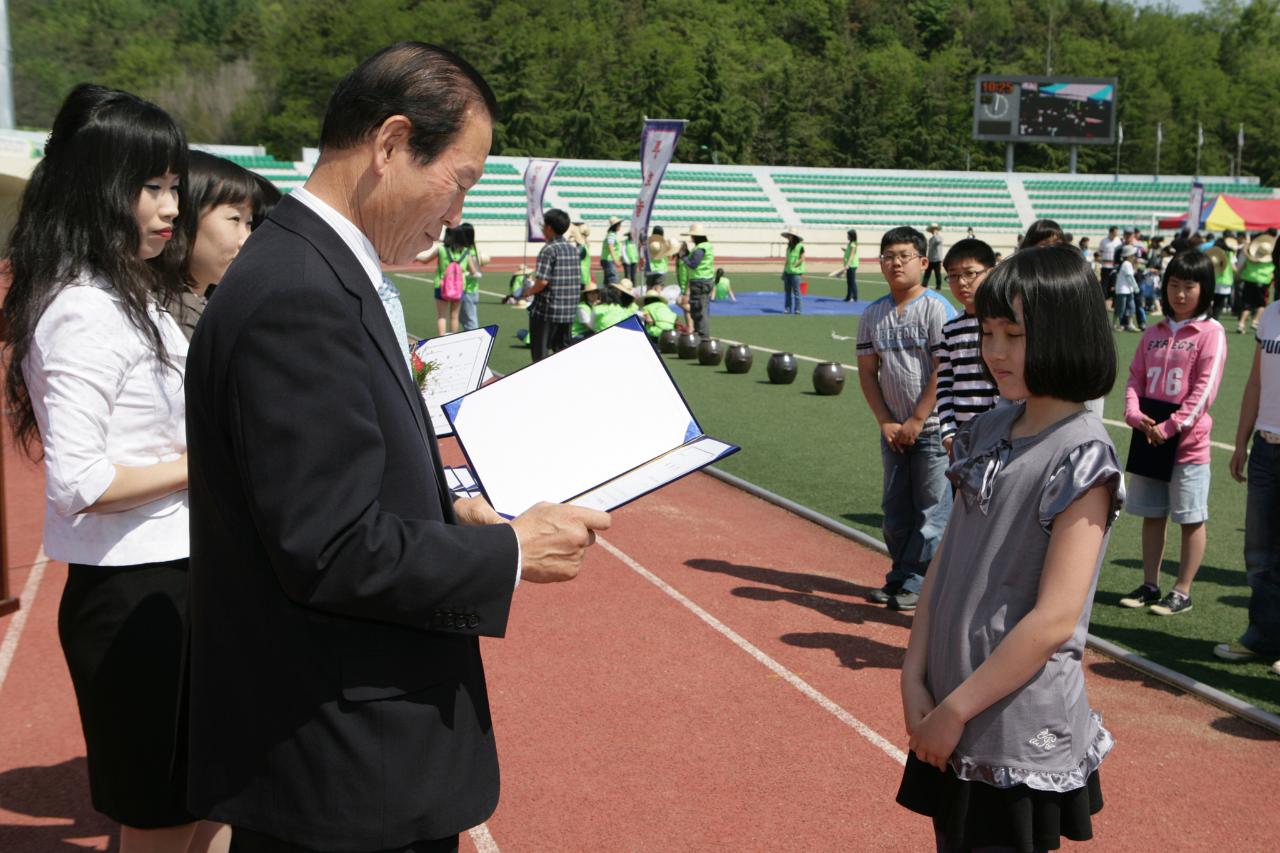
(1067, 110)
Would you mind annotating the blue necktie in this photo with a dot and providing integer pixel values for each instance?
(395, 313)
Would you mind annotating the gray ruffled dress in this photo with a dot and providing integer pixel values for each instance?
(1025, 771)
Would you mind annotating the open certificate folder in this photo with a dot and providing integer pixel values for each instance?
(597, 425)
(459, 363)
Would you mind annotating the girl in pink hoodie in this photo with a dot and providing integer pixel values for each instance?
(1179, 362)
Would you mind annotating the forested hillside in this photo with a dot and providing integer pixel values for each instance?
(863, 83)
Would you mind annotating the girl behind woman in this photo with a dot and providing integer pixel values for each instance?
(469, 313)
(222, 201)
(1177, 368)
(1004, 747)
(95, 376)
(452, 250)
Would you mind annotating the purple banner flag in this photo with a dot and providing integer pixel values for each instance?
(657, 146)
(537, 175)
(1194, 207)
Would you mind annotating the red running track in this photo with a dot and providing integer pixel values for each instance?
(627, 721)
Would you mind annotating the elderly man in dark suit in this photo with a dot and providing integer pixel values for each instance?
(338, 699)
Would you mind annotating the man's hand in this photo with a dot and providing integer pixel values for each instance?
(476, 511)
(553, 539)
(947, 442)
(909, 431)
(890, 432)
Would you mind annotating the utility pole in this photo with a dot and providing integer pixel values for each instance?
(7, 114)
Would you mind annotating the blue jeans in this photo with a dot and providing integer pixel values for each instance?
(851, 285)
(1262, 549)
(791, 289)
(1124, 308)
(916, 503)
(468, 312)
(610, 272)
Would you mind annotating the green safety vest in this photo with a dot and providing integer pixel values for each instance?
(584, 255)
(659, 266)
(795, 260)
(722, 288)
(471, 284)
(851, 251)
(604, 316)
(707, 269)
(630, 251)
(1257, 273)
(682, 275)
(1228, 275)
(444, 257)
(609, 250)
(662, 316)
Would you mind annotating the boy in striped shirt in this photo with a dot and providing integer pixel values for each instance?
(964, 389)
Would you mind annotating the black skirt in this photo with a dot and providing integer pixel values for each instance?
(123, 631)
(975, 814)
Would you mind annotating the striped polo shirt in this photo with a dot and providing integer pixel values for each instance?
(903, 336)
(964, 390)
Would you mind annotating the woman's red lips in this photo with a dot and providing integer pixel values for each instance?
(165, 233)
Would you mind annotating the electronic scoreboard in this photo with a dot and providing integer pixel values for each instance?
(1066, 110)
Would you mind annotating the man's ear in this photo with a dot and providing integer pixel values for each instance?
(390, 140)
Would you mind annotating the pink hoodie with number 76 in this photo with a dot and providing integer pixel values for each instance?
(1183, 367)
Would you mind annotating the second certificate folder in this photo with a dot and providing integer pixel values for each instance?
(598, 424)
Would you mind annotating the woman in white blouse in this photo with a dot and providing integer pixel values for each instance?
(94, 380)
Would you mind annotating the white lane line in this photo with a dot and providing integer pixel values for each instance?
(9, 647)
(778, 669)
(483, 839)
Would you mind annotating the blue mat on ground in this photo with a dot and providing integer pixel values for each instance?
(770, 302)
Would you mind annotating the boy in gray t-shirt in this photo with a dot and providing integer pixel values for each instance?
(899, 379)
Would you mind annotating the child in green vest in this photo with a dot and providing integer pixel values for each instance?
(630, 253)
(659, 262)
(657, 314)
(724, 288)
(452, 250)
(791, 272)
(585, 313)
(611, 251)
(851, 267)
(469, 313)
(618, 305)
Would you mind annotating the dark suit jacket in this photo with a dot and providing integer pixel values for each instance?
(337, 693)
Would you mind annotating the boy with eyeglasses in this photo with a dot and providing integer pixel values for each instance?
(896, 336)
(964, 388)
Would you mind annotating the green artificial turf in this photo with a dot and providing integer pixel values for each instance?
(823, 452)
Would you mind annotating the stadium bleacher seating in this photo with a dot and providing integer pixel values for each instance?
(1085, 205)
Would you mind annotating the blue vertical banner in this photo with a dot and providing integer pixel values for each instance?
(657, 146)
(537, 175)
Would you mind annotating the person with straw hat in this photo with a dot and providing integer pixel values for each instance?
(658, 252)
(617, 304)
(611, 251)
(657, 314)
(791, 271)
(701, 265)
(630, 252)
(516, 287)
(591, 296)
(1255, 277)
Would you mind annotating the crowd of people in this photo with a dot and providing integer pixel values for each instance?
(273, 604)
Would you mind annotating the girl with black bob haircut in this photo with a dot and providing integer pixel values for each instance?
(1071, 353)
(1191, 265)
(1005, 749)
(94, 381)
(225, 201)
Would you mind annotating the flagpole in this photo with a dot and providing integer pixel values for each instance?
(1119, 142)
(1159, 140)
(1199, 145)
(1239, 149)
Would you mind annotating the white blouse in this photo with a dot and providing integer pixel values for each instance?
(101, 399)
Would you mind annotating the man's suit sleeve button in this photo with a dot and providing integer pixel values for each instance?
(473, 621)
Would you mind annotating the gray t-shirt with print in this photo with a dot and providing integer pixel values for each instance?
(904, 340)
(987, 579)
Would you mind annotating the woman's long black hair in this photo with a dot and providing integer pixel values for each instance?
(77, 217)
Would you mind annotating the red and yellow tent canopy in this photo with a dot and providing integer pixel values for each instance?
(1232, 213)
